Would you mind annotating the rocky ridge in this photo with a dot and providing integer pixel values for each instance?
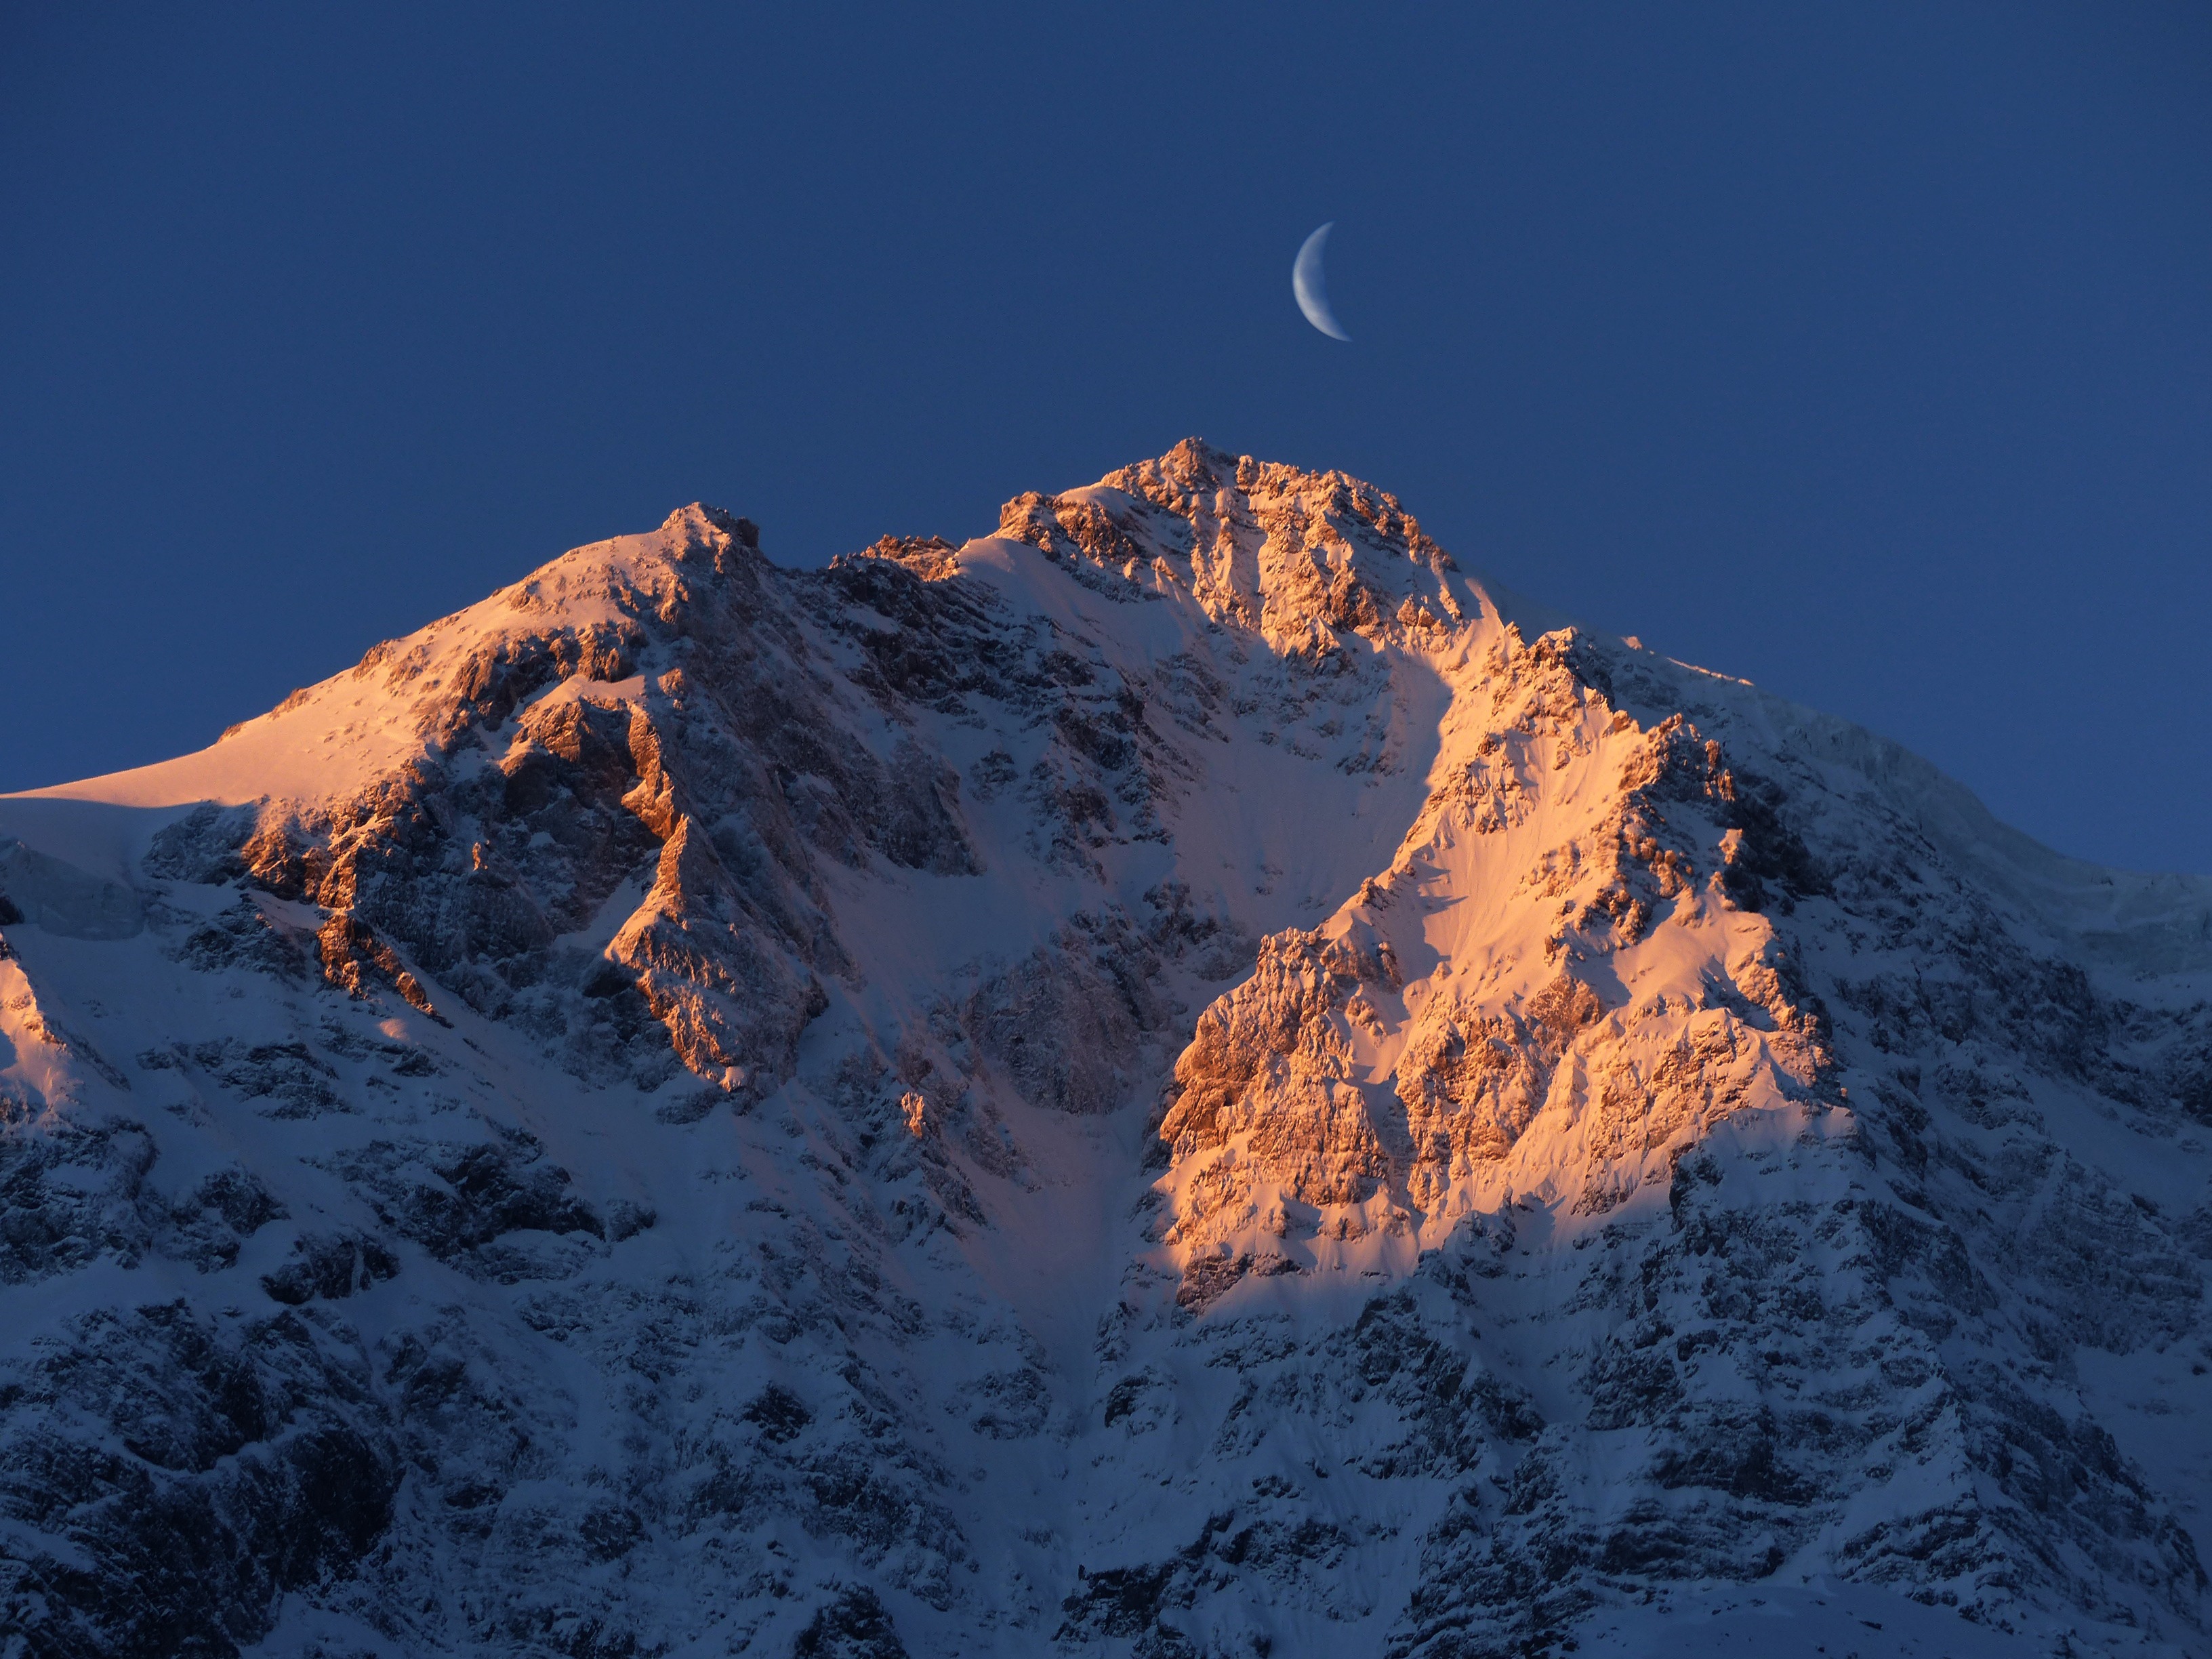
(1187, 1078)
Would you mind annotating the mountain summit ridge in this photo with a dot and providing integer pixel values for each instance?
(1187, 1077)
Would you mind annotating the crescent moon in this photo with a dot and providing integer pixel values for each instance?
(1308, 283)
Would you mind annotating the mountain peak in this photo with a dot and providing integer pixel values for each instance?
(1185, 1074)
(1301, 558)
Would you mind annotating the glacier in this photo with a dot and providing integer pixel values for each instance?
(1185, 1077)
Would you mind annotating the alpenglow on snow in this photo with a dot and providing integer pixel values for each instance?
(1184, 1079)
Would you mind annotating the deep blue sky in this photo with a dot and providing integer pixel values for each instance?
(1864, 351)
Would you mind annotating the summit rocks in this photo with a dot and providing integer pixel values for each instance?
(1187, 1078)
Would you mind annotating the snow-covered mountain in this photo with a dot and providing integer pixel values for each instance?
(1187, 1078)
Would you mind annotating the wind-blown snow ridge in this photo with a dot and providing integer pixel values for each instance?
(1189, 1077)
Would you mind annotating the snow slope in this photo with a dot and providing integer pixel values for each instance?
(1185, 1078)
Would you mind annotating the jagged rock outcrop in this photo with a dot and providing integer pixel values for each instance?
(1187, 1078)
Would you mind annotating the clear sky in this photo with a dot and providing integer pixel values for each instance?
(1863, 350)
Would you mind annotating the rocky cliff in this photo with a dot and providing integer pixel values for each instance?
(1188, 1078)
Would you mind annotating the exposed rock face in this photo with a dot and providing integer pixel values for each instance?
(1184, 1079)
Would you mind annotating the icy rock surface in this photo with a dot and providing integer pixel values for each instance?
(1184, 1079)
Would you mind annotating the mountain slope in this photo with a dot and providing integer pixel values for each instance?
(1184, 1078)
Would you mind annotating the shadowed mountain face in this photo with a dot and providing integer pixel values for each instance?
(1184, 1079)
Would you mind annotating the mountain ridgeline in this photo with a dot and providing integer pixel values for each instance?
(1184, 1079)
